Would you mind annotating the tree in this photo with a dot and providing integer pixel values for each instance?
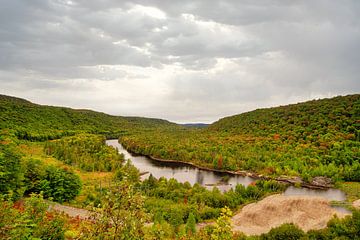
(10, 170)
(29, 219)
(120, 216)
(191, 224)
(222, 230)
(60, 184)
(285, 231)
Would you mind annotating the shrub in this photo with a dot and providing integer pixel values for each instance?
(56, 183)
(285, 231)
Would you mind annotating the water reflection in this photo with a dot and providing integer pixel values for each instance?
(185, 173)
(200, 177)
(330, 194)
(342, 209)
(180, 171)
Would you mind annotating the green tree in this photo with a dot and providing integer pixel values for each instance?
(34, 173)
(222, 230)
(120, 216)
(285, 231)
(191, 224)
(60, 184)
(11, 173)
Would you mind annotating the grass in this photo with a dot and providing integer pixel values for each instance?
(352, 190)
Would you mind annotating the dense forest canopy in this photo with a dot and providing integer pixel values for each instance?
(338, 117)
(37, 122)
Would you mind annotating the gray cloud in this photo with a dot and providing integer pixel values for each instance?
(180, 60)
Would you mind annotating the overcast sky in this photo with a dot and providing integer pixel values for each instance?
(185, 61)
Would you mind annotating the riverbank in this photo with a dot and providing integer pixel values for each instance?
(306, 212)
(317, 182)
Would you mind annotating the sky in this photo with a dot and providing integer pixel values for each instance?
(184, 61)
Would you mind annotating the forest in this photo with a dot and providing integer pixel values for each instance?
(316, 138)
(86, 151)
(34, 122)
(54, 154)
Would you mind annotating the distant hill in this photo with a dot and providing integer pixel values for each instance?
(39, 122)
(195, 125)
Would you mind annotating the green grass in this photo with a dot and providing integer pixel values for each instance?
(352, 190)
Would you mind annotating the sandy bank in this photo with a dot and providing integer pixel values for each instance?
(356, 204)
(306, 212)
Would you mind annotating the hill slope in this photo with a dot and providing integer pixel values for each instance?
(339, 115)
(315, 138)
(38, 122)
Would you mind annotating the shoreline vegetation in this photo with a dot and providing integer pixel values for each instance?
(313, 144)
(294, 181)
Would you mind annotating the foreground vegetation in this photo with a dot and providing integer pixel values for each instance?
(123, 208)
(173, 202)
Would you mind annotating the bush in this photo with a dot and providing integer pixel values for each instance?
(60, 184)
(29, 220)
(56, 183)
(285, 231)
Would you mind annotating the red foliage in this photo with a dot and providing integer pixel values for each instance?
(276, 136)
(252, 183)
(19, 205)
(220, 162)
(49, 216)
(76, 221)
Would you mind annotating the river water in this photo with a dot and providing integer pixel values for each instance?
(183, 172)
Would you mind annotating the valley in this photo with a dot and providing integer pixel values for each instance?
(154, 179)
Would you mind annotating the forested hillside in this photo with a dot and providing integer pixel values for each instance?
(315, 138)
(37, 122)
(335, 118)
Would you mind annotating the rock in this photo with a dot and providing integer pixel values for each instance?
(321, 181)
(249, 174)
(243, 173)
(292, 180)
(356, 204)
(295, 180)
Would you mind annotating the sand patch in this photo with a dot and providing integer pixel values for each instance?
(356, 204)
(305, 211)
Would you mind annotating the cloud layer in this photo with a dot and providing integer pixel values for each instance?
(186, 61)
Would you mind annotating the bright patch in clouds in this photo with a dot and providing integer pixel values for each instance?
(149, 11)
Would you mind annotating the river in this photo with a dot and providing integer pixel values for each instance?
(183, 172)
